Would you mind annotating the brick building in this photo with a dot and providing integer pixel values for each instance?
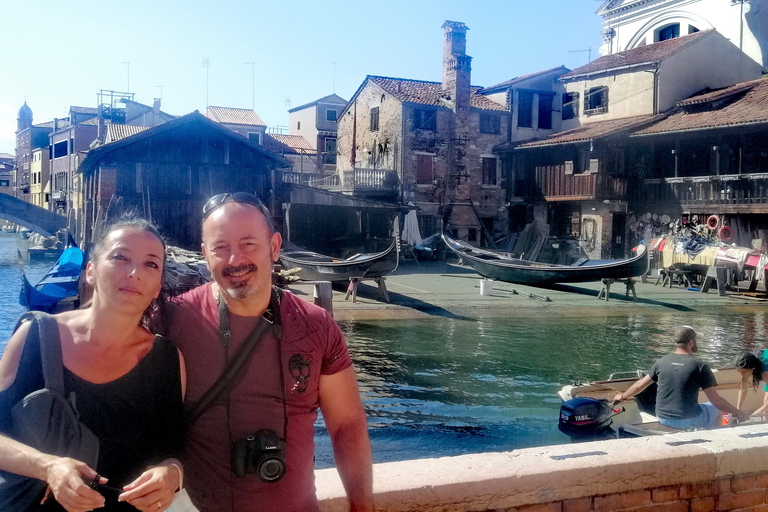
(28, 138)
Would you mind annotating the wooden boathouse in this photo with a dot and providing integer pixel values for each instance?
(167, 172)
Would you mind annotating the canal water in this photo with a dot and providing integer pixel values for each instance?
(443, 386)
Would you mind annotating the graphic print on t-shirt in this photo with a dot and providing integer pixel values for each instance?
(301, 370)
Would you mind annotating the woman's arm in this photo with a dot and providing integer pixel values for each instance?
(64, 476)
(743, 390)
(154, 489)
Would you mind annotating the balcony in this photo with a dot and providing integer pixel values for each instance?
(382, 183)
(557, 185)
(733, 193)
(308, 179)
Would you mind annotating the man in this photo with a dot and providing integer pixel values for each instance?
(680, 376)
(289, 375)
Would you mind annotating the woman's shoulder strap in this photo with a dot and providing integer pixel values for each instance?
(45, 329)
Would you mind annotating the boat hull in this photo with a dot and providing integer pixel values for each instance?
(512, 270)
(318, 267)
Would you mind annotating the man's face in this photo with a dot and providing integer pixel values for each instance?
(240, 250)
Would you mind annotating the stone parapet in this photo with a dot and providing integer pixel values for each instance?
(724, 469)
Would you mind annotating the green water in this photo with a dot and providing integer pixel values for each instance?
(443, 386)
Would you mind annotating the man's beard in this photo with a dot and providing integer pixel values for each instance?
(240, 290)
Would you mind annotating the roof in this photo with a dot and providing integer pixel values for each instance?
(647, 54)
(94, 156)
(428, 93)
(592, 131)
(331, 98)
(84, 110)
(524, 78)
(117, 132)
(283, 144)
(6, 156)
(738, 105)
(47, 124)
(228, 115)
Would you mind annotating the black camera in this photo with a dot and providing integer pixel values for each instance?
(262, 453)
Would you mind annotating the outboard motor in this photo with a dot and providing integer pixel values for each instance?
(586, 419)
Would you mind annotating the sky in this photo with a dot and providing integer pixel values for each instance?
(267, 55)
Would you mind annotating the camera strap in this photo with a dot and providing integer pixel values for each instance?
(270, 318)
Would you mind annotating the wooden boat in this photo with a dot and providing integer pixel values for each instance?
(635, 417)
(319, 267)
(59, 283)
(513, 270)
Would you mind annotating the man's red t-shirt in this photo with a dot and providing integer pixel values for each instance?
(312, 345)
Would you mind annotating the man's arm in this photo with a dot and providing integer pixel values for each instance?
(723, 404)
(347, 425)
(634, 389)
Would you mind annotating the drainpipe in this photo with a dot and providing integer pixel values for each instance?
(656, 88)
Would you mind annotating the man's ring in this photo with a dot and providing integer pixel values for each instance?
(159, 505)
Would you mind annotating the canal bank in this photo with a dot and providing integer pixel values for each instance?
(451, 290)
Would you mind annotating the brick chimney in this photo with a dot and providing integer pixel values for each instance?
(457, 65)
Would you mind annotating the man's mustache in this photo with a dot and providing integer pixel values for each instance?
(228, 271)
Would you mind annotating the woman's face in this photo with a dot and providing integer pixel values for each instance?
(744, 372)
(127, 273)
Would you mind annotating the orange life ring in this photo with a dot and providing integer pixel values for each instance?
(712, 222)
(725, 233)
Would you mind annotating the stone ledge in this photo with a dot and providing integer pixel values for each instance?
(489, 481)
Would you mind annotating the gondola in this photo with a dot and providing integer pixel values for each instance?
(513, 270)
(59, 283)
(319, 267)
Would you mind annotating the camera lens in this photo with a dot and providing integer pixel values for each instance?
(271, 469)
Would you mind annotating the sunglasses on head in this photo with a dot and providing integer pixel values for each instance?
(226, 197)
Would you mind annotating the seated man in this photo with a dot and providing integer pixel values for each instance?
(679, 376)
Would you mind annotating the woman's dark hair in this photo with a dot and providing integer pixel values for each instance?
(132, 220)
(749, 361)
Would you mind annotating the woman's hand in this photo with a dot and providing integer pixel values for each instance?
(66, 478)
(154, 489)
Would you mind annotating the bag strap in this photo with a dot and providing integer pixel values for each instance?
(270, 318)
(46, 329)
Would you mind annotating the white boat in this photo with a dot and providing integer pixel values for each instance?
(597, 417)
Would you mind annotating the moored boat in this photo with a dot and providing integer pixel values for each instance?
(59, 283)
(319, 267)
(505, 268)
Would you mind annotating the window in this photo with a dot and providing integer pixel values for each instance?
(692, 29)
(60, 149)
(525, 110)
(375, 119)
(587, 163)
(570, 105)
(424, 119)
(489, 171)
(254, 137)
(596, 100)
(330, 115)
(490, 124)
(298, 125)
(668, 32)
(545, 111)
(330, 152)
(424, 169)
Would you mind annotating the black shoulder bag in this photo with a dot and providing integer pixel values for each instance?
(270, 318)
(45, 419)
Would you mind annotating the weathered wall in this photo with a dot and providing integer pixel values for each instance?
(721, 470)
(629, 94)
(302, 122)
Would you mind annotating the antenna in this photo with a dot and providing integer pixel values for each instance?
(206, 63)
(253, 73)
(128, 64)
(287, 101)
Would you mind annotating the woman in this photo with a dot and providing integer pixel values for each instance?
(129, 384)
(753, 369)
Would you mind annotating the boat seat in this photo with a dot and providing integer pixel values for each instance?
(579, 262)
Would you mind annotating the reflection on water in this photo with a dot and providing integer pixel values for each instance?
(441, 386)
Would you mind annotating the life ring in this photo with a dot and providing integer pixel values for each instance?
(725, 233)
(712, 222)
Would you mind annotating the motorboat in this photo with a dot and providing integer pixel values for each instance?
(502, 267)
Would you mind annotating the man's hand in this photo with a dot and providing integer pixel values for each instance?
(66, 479)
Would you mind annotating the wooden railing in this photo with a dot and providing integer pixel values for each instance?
(553, 183)
(371, 182)
(724, 190)
(312, 179)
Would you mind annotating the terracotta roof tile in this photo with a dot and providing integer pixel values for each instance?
(84, 110)
(284, 144)
(640, 55)
(749, 106)
(523, 78)
(592, 131)
(227, 115)
(429, 93)
(117, 132)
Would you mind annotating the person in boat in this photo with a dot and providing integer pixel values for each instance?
(680, 376)
(128, 382)
(301, 364)
(753, 369)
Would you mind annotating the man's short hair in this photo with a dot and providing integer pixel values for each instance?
(684, 334)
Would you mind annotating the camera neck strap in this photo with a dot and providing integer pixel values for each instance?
(270, 318)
